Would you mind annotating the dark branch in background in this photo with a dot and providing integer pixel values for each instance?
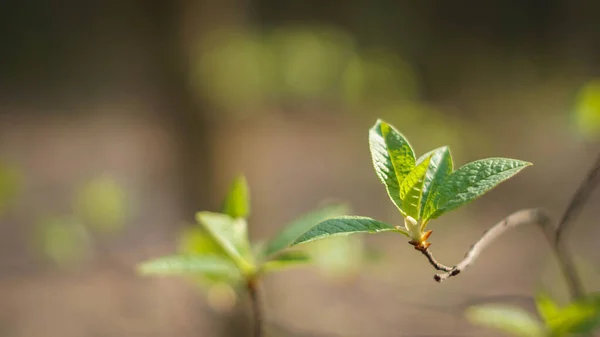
(554, 235)
(257, 314)
(579, 199)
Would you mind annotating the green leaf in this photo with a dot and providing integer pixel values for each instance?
(470, 182)
(231, 234)
(579, 317)
(195, 240)
(187, 265)
(296, 228)
(440, 167)
(344, 225)
(546, 307)
(411, 190)
(286, 260)
(393, 158)
(237, 202)
(513, 320)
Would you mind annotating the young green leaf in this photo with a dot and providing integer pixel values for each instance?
(344, 225)
(393, 158)
(513, 320)
(231, 234)
(546, 307)
(470, 182)
(411, 190)
(296, 228)
(195, 240)
(189, 265)
(440, 167)
(286, 260)
(237, 202)
(579, 317)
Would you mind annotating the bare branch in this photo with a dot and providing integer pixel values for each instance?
(523, 217)
(579, 199)
(432, 260)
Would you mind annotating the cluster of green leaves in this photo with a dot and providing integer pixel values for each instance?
(577, 318)
(100, 205)
(218, 251)
(422, 189)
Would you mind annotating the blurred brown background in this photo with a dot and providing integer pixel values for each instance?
(133, 115)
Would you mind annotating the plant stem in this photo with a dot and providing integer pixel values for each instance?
(554, 235)
(257, 314)
(523, 217)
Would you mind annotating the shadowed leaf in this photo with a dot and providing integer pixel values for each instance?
(344, 225)
(301, 225)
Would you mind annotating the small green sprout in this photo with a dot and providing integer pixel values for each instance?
(422, 189)
(218, 251)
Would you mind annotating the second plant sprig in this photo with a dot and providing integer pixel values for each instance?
(421, 188)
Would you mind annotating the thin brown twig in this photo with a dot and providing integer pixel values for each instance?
(519, 218)
(429, 255)
(257, 314)
(554, 235)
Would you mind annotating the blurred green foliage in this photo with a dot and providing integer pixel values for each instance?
(580, 317)
(101, 204)
(339, 257)
(10, 185)
(63, 239)
(587, 109)
(238, 70)
(218, 257)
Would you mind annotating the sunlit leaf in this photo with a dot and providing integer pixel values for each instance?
(301, 225)
(186, 265)
(231, 234)
(439, 168)
(286, 260)
(579, 317)
(546, 307)
(344, 225)
(102, 204)
(195, 240)
(237, 202)
(411, 190)
(393, 158)
(470, 182)
(513, 320)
